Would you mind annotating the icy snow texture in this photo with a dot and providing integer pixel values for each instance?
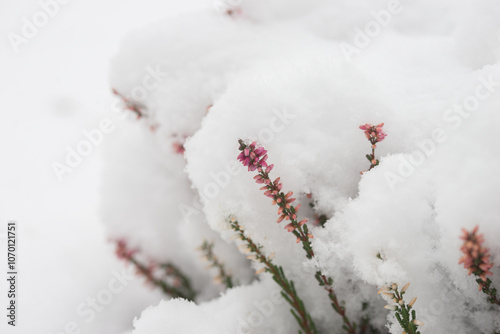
(277, 74)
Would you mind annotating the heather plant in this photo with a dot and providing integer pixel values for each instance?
(272, 73)
(476, 260)
(165, 276)
(288, 292)
(174, 283)
(404, 312)
(375, 134)
(255, 159)
(136, 107)
(223, 276)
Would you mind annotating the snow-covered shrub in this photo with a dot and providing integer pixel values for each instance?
(277, 73)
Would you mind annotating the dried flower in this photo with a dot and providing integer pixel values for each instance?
(261, 270)
(405, 287)
(404, 313)
(383, 289)
(223, 276)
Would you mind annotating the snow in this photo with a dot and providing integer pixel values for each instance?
(52, 89)
(241, 310)
(279, 73)
(299, 78)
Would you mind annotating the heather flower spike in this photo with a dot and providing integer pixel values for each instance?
(252, 157)
(375, 134)
(255, 158)
(476, 260)
(404, 313)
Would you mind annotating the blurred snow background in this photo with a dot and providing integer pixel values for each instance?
(53, 88)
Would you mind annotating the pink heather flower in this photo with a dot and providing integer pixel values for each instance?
(122, 251)
(178, 148)
(476, 258)
(147, 272)
(375, 134)
(252, 156)
(255, 158)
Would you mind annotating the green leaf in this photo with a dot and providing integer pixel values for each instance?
(296, 317)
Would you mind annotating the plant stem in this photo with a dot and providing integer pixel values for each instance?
(287, 211)
(207, 249)
(288, 289)
(182, 291)
(326, 283)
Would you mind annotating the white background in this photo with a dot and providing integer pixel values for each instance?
(52, 89)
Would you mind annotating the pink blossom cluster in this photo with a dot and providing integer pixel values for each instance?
(252, 156)
(374, 133)
(123, 252)
(476, 258)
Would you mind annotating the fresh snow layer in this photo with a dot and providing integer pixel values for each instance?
(285, 74)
